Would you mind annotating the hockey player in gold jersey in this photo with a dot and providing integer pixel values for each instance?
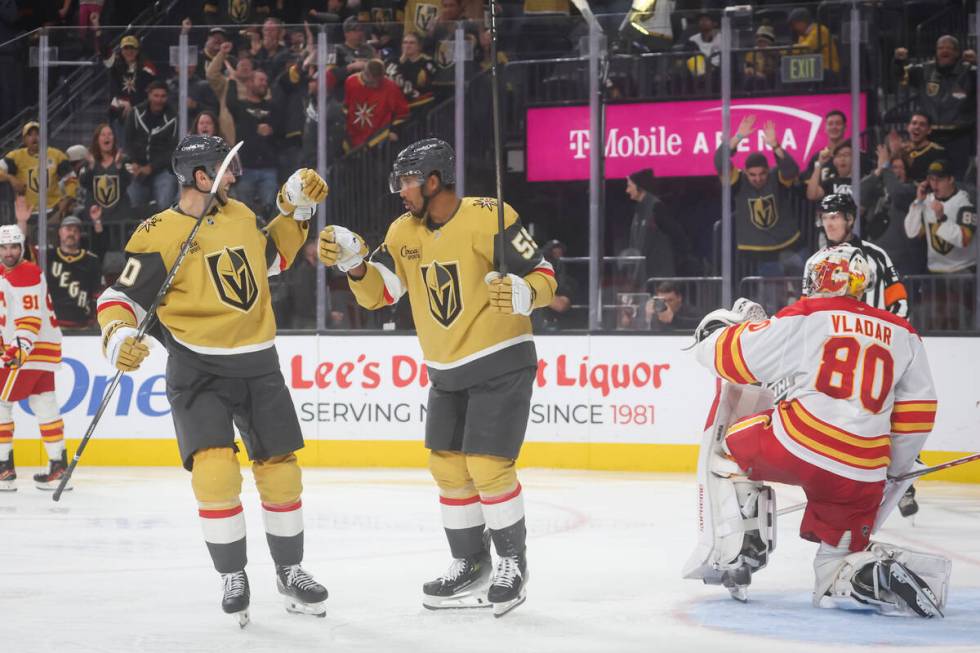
(475, 333)
(217, 325)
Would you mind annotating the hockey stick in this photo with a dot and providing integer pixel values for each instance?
(497, 147)
(900, 478)
(148, 318)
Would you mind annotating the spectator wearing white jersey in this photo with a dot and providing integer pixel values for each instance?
(946, 217)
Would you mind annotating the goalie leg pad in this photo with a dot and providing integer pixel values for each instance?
(737, 516)
(896, 582)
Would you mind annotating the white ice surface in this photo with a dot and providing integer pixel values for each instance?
(119, 565)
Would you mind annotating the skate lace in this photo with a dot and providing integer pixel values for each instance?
(234, 584)
(297, 577)
(455, 570)
(507, 571)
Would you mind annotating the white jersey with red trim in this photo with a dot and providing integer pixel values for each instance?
(27, 316)
(862, 400)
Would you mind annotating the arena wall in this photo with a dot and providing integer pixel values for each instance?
(601, 402)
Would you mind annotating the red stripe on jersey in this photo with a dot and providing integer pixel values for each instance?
(503, 498)
(547, 271)
(282, 261)
(289, 508)
(832, 442)
(468, 501)
(220, 514)
(105, 305)
(388, 298)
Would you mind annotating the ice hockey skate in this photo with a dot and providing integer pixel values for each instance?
(56, 471)
(464, 585)
(236, 596)
(509, 587)
(303, 595)
(8, 474)
(907, 505)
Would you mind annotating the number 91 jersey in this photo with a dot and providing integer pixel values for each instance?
(27, 317)
(862, 399)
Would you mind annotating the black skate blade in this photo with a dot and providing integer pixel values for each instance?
(501, 609)
(455, 605)
(740, 593)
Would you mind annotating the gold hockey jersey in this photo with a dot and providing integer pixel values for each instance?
(442, 268)
(217, 314)
(62, 181)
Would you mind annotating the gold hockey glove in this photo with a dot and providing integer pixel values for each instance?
(301, 193)
(341, 247)
(121, 348)
(509, 294)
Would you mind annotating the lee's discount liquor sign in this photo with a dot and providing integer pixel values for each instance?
(676, 139)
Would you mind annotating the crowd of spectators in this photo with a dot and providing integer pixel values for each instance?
(391, 62)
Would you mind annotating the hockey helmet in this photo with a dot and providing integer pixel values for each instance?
(197, 151)
(838, 271)
(838, 203)
(10, 234)
(419, 160)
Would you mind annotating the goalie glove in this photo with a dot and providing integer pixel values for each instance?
(341, 247)
(743, 310)
(301, 193)
(509, 294)
(121, 348)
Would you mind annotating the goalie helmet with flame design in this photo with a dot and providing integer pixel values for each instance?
(838, 271)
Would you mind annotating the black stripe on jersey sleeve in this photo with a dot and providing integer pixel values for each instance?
(521, 253)
(382, 256)
(270, 252)
(142, 278)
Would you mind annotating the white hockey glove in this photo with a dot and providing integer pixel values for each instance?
(509, 294)
(743, 310)
(341, 247)
(122, 349)
(301, 193)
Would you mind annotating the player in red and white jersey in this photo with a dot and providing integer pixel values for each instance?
(31, 352)
(860, 406)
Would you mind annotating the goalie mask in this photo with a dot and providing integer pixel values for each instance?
(836, 272)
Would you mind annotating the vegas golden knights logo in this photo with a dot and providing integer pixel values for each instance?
(233, 278)
(939, 245)
(239, 10)
(106, 189)
(425, 14)
(32, 180)
(762, 212)
(442, 286)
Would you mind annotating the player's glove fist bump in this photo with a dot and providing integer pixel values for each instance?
(301, 193)
(122, 348)
(341, 247)
(509, 294)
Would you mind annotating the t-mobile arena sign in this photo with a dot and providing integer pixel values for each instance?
(676, 139)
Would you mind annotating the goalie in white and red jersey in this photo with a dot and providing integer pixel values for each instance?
(860, 405)
(30, 354)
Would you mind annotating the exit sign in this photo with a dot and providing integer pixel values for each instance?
(801, 68)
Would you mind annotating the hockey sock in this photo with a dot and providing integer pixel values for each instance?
(505, 517)
(6, 439)
(463, 521)
(53, 434)
(224, 533)
(284, 532)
